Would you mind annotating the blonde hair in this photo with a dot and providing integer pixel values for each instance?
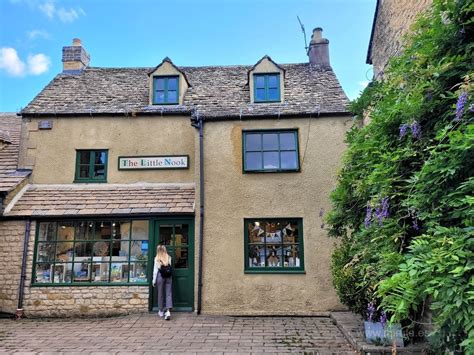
(162, 256)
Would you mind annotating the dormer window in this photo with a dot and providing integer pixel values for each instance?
(166, 90)
(267, 87)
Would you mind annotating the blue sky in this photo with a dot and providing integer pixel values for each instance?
(140, 33)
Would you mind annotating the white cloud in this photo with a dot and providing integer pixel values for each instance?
(67, 15)
(38, 34)
(48, 8)
(38, 64)
(63, 14)
(10, 62)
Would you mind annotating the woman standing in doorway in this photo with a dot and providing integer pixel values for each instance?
(163, 281)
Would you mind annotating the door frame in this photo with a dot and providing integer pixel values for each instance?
(153, 240)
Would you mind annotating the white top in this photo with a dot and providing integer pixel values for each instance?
(156, 267)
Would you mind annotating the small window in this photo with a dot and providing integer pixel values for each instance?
(165, 90)
(270, 151)
(91, 166)
(266, 87)
(274, 245)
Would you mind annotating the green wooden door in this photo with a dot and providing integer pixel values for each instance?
(178, 237)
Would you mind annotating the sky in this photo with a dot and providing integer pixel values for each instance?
(140, 33)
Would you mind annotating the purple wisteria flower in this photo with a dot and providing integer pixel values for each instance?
(381, 211)
(415, 224)
(416, 130)
(471, 108)
(383, 319)
(370, 312)
(462, 100)
(368, 216)
(403, 130)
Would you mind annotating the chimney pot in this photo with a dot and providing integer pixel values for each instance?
(75, 57)
(318, 50)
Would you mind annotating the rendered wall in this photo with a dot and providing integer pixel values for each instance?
(231, 196)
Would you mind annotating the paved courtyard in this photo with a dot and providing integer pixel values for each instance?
(185, 333)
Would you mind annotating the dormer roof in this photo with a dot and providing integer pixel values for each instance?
(167, 60)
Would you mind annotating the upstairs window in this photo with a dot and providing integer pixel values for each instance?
(91, 166)
(165, 90)
(266, 87)
(271, 151)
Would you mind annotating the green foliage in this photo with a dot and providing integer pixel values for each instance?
(417, 154)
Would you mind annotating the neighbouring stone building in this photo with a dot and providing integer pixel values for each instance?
(229, 166)
(392, 20)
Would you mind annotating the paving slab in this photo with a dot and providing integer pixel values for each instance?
(186, 333)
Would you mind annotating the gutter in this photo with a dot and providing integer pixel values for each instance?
(198, 123)
(19, 311)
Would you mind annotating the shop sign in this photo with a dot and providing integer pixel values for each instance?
(154, 162)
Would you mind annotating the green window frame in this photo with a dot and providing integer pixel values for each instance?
(92, 253)
(166, 90)
(91, 165)
(270, 151)
(273, 245)
(266, 87)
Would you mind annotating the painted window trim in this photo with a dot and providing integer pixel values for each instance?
(89, 179)
(278, 131)
(274, 270)
(265, 76)
(149, 267)
(165, 89)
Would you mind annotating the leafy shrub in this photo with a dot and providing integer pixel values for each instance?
(403, 207)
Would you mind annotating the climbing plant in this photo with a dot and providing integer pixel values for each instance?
(403, 208)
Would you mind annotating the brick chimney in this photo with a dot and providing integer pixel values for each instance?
(75, 57)
(318, 50)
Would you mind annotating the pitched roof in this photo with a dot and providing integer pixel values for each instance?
(215, 92)
(10, 126)
(103, 199)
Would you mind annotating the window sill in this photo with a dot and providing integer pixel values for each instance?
(90, 181)
(268, 102)
(271, 171)
(275, 271)
(165, 103)
(78, 284)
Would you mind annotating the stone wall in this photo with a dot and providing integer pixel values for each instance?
(11, 251)
(393, 21)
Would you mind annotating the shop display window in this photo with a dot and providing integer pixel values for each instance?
(274, 245)
(91, 252)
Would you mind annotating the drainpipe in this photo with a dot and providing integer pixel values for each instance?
(199, 123)
(19, 311)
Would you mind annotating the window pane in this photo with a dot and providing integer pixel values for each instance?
(260, 95)
(273, 255)
(83, 250)
(291, 256)
(287, 141)
(257, 256)
(138, 272)
(84, 157)
(273, 81)
(181, 258)
(81, 272)
(45, 252)
(173, 84)
(159, 84)
(259, 81)
(140, 230)
(172, 96)
(255, 232)
(139, 250)
(100, 272)
(159, 97)
(104, 230)
(253, 161)
(270, 160)
(253, 142)
(289, 160)
(66, 232)
(47, 231)
(273, 94)
(181, 234)
(99, 171)
(119, 272)
(43, 273)
(81, 230)
(290, 233)
(64, 251)
(100, 157)
(101, 249)
(270, 141)
(166, 234)
(84, 171)
(62, 273)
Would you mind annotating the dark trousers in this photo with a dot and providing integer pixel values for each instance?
(163, 289)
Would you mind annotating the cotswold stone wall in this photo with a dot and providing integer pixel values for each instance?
(393, 21)
(85, 301)
(12, 234)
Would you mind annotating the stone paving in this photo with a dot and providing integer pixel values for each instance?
(185, 333)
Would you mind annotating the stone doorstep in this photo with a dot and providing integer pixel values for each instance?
(352, 327)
